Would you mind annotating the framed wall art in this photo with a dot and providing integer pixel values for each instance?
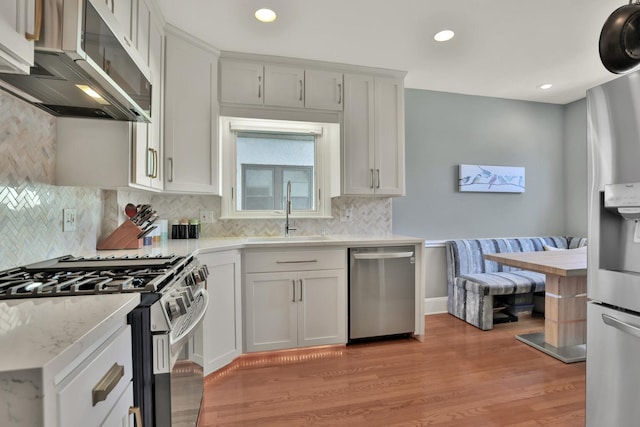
(491, 179)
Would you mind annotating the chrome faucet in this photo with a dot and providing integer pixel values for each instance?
(287, 211)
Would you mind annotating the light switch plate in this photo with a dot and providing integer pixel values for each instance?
(68, 220)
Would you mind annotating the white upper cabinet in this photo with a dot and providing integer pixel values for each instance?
(17, 32)
(284, 86)
(373, 136)
(147, 137)
(123, 10)
(242, 82)
(279, 85)
(108, 154)
(191, 115)
(323, 90)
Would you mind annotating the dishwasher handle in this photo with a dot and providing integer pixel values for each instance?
(383, 255)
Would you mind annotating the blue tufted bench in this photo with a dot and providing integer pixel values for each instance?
(473, 282)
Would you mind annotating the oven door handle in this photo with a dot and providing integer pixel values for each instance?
(176, 343)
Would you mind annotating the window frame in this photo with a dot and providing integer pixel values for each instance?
(327, 162)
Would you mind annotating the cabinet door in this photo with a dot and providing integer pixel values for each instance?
(123, 11)
(283, 86)
(322, 309)
(389, 137)
(222, 326)
(272, 311)
(191, 117)
(358, 135)
(156, 51)
(16, 19)
(323, 90)
(142, 30)
(241, 82)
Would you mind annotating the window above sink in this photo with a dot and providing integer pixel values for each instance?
(261, 156)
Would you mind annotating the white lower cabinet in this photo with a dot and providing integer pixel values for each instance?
(221, 338)
(98, 390)
(301, 305)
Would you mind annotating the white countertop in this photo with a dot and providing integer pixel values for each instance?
(42, 331)
(206, 245)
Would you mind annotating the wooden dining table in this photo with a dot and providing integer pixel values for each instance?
(565, 301)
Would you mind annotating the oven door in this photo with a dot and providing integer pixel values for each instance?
(178, 391)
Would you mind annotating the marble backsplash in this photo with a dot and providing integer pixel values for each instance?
(31, 205)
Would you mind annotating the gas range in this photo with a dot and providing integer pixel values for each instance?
(69, 275)
(173, 302)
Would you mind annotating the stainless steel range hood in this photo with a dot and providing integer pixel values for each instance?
(84, 66)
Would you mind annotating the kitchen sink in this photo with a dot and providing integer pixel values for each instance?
(282, 239)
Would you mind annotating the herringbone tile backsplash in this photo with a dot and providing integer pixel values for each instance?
(31, 204)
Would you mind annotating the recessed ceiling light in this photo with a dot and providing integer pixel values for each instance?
(444, 36)
(265, 15)
(545, 86)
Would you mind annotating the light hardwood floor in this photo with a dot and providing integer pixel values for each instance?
(457, 375)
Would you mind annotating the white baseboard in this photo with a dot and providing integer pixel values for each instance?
(435, 305)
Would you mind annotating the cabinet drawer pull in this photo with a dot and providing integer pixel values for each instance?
(300, 290)
(296, 262)
(259, 87)
(137, 414)
(101, 390)
(372, 174)
(154, 175)
(37, 23)
(339, 93)
(300, 90)
(378, 173)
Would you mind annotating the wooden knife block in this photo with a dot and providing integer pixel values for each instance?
(124, 237)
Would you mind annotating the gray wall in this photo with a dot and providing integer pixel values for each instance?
(575, 170)
(444, 130)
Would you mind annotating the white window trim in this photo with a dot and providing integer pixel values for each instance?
(327, 161)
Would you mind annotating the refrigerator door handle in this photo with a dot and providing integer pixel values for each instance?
(622, 326)
(383, 255)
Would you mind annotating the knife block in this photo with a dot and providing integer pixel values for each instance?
(124, 237)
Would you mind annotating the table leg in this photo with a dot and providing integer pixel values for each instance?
(565, 322)
(565, 310)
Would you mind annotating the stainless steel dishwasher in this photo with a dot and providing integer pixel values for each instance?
(381, 291)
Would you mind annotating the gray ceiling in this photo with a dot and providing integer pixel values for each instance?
(502, 48)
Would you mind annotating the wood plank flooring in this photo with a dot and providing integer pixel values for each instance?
(456, 375)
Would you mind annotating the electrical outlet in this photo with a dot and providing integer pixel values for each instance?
(68, 220)
(345, 215)
(206, 217)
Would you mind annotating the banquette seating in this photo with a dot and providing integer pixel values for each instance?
(474, 284)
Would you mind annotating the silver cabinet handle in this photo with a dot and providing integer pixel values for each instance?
(339, 93)
(170, 159)
(378, 173)
(37, 23)
(154, 175)
(297, 262)
(293, 286)
(150, 162)
(107, 383)
(259, 86)
(300, 90)
(300, 290)
(383, 255)
(622, 326)
(371, 170)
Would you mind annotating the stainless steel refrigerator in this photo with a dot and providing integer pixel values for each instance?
(613, 278)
